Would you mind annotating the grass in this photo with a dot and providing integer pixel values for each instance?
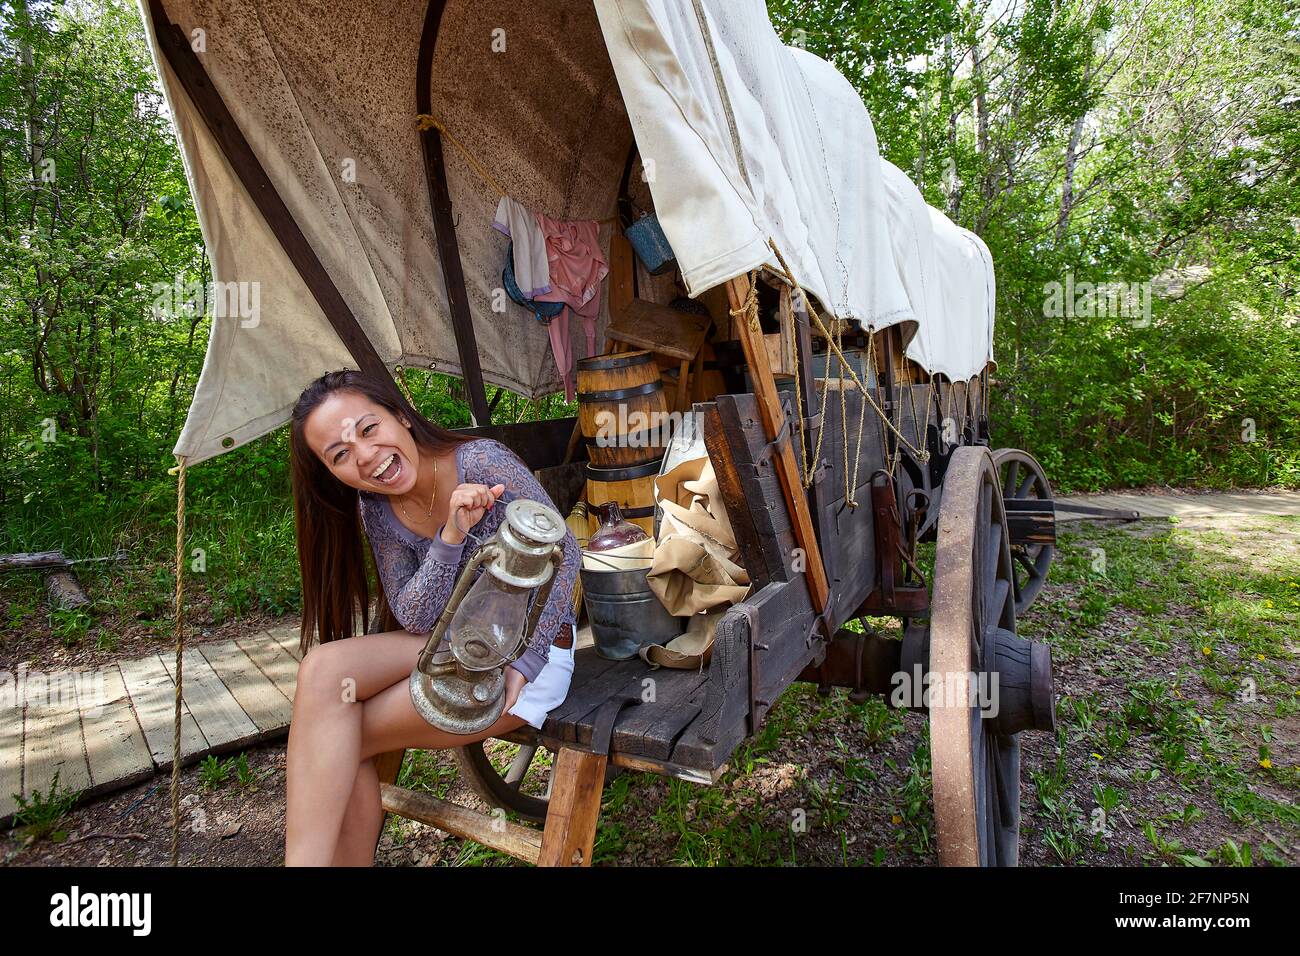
(42, 813)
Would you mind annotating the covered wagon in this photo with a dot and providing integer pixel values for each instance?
(348, 166)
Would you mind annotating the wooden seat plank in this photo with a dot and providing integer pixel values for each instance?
(584, 696)
(651, 729)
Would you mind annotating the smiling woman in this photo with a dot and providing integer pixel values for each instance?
(362, 458)
(357, 423)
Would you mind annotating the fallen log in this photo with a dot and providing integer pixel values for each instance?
(60, 582)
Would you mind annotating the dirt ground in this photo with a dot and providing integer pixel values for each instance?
(1176, 650)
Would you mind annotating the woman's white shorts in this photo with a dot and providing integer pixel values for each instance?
(547, 691)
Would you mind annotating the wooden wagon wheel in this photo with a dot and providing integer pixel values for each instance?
(1022, 477)
(512, 775)
(975, 769)
(507, 778)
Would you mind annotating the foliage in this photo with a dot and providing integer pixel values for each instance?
(41, 813)
(1148, 143)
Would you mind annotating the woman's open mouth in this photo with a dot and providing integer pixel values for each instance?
(388, 470)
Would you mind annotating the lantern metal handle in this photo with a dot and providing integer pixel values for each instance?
(425, 664)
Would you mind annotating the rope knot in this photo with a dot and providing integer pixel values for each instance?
(423, 121)
(750, 306)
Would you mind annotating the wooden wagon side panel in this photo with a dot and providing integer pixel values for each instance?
(849, 530)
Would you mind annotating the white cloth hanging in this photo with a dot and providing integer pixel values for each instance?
(532, 271)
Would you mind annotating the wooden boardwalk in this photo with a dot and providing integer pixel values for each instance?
(109, 728)
(1240, 503)
(105, 729)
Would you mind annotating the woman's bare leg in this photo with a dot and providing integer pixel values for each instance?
(351, 704)
(364, 817)
(390, 722)
(362, 821)
(325, 735)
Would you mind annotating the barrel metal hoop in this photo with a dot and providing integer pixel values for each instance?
(588, 398)
(609, 475)
(601, 363)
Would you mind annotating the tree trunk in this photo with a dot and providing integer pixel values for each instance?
(1067, 187)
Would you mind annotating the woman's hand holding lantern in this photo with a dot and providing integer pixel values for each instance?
(466, 507)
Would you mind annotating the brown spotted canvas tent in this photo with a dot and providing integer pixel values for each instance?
(368, 238)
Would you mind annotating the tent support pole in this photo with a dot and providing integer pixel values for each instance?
(787, 469)
(198, 87)
(444, 228)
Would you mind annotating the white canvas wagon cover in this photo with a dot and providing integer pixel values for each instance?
(744, 139)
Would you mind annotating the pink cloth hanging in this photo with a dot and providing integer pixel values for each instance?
(576, 270)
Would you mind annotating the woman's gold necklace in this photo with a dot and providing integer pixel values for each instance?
(428, 514)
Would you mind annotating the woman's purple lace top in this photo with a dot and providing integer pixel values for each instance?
(419, 573)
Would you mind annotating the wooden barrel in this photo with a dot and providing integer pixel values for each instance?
(625, 386)
(632, 487)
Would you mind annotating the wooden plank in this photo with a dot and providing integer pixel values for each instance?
(222, 721)
(668, 688)
(708, 741)
(52, 738)
(777, 618)
(11, 744)
(584, 697)
(152, 694)
(288, 638)
(651, 728)
(760, 565)
(759, 485)
(661, 329)
(272, 661)
(514, 840)
(115, 745)
(847, 534)
(539, 444)
(621, 266)
(263, 702)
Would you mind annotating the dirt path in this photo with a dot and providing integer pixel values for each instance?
(1181, 504)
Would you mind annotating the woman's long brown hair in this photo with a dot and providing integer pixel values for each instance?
(331, 547)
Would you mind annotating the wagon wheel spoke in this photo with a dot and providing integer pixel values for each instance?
(519, 766)
(1024, 559)
(1013, 468)
(1023, 479)
(1001, 591)
(503, 788)
(1026, 486)
(992, 553)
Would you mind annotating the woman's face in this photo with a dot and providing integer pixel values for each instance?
(363, 444)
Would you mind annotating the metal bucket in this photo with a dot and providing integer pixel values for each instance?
(650, 244)
(624, 613)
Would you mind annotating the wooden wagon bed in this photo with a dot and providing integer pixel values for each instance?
(686, 724)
